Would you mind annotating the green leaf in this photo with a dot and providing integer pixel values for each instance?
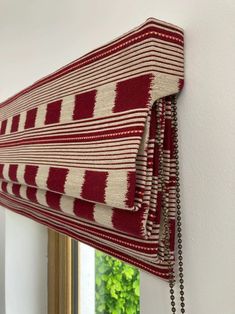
(101, 308)
(117, 286)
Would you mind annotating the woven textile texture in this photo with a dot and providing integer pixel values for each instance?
(89, 150)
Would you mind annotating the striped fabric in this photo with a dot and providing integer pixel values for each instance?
(89, 150)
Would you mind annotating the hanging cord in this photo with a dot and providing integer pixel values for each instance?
(160, 111)
(178, 218)
(178, 221)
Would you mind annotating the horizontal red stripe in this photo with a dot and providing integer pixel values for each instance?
(74, 222)
(125, 132)
(77, 125)
(140, 263)
(70, 127)
(111, 63)
(97, 82)
(147, 22)
(107, 51)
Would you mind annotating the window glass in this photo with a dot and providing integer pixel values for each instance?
(117, 286)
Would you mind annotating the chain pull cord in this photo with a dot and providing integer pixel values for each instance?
(165, 213)
(178, 220)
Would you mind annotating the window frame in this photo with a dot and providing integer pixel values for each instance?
(67, 272)
(60, 273)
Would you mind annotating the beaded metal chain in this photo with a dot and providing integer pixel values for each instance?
(178, 221)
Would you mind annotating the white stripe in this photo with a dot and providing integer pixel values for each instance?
(9, 188)
(116, 188)
(41, 197)
(8, 127)
(74, 182)
(163, 85)
(6, 172)
(105, 100)
(22, 121)
(20, 173)
(67, 108)
(103, 216)
(67, 204)
(41, 115)
(42, 175)
(23, 190)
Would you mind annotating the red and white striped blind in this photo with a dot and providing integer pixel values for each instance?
(89, 151)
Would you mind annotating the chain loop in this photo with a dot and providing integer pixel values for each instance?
(178, 223)
(178, 207)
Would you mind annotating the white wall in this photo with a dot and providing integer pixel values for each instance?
(207, 151)
(2, 261)
(40, 36)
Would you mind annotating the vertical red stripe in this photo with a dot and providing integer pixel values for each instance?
(3, 127)
(130, 195)
(153, 125)
(159, 207)
(4, 186)
(15, 123)
(168, 139)
(129, 222)
(31, 194)
(30, 118)
(181, 84)
(1, 171)
(172, 234)
(13, 172)
(84, 209)
(53, 112)
(132, 93)
(16, 189)
(84, 105)
(56, 179)
(30, 174)
(53, 200)
(94, 186)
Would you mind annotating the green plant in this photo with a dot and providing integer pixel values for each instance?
(117, 286)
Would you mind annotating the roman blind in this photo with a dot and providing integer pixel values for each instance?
(91, 149)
